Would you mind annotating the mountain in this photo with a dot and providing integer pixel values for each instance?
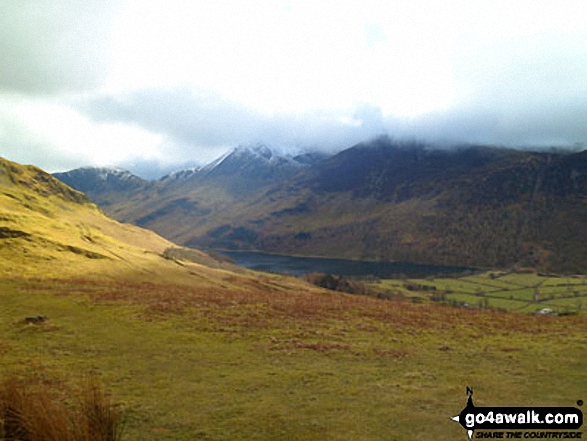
(94, 179)
(475, 206)
(197, 198)
(51, 231)
(247, 169)
(180, 175)
(383, 200)
(102, 184)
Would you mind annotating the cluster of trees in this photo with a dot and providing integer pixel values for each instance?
(337, 283)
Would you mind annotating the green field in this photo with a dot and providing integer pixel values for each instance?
(513, 291)
(188, 364)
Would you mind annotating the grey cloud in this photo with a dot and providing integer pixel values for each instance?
(53, 45)
(201, 125)
(18, 143)
(25, 150)
(561, 123)
(201, 121)
(527, 90)
(152, 169)
(525, 71)
(523, 91)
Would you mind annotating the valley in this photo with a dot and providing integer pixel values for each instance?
(383, 200)
(293, 220)
(300, 265)
(521, 292)
(189, 346)
(516, 291)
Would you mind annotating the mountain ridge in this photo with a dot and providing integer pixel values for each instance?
(387, 200)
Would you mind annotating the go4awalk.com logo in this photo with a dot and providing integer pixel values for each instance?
(520, 422)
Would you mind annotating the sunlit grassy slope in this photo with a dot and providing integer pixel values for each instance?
(192, 352)
(48, 230)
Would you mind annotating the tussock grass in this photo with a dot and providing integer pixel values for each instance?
(32, 411)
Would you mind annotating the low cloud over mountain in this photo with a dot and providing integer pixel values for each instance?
(155, 85)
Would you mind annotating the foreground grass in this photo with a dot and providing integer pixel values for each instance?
(191, 364)
(33, 411)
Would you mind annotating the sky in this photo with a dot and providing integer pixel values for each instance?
(152, 85)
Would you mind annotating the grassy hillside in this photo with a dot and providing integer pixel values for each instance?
(191, 364)
(48, 230)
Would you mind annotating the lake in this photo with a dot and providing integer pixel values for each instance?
(297, 265)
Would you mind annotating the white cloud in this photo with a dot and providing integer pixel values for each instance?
(105, 81)
(284, 58)
(71, 134)
(51, 46)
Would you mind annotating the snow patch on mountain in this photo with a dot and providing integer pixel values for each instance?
(248, 157)
(180, 175)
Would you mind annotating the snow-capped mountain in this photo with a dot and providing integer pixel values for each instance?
(102, 184)
(242, 169)
(180, 175)
(196, 196)
(258, 162)
(88, 179)
(248, 168)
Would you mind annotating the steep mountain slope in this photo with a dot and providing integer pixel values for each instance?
(100, 179)
(241, 172)
(256, 167)
(103, 185)
(176, 176)
(384, 200)
(472, 206)
(48, 230)
(198, 198)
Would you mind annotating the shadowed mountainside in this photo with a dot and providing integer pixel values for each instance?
(384, 200)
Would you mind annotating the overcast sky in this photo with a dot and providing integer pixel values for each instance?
(151, 84)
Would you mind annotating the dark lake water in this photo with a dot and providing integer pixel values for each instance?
(295, 265)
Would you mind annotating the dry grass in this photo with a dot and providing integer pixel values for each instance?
(252, 363)
(32, 411)
(256, 305)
